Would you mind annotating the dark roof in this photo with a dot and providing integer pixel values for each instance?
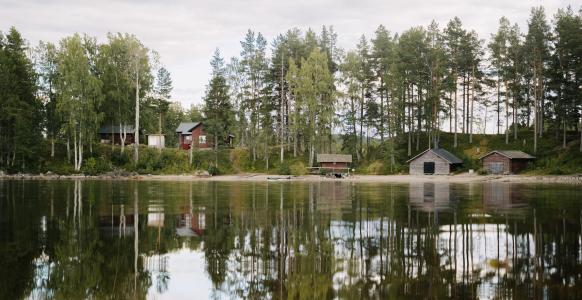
(108, 129)
(511, 154)
(334, 158)
(187, 127)
(442, 153)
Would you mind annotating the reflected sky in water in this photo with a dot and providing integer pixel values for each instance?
(289, 240)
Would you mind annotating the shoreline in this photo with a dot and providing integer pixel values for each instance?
(255, 177)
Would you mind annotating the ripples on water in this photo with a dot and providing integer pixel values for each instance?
(164, 240)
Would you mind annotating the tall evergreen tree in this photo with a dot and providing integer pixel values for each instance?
(21, 117)
(218, 113)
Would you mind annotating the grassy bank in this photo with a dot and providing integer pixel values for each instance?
(169, 161)
(551, 159)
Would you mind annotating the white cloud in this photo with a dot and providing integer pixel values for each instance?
(185, 33)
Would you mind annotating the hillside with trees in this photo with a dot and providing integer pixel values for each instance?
(387, 98)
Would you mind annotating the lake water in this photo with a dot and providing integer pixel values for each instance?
(289, 240)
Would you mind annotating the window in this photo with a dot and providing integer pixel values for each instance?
(187, 139)
(202, 139)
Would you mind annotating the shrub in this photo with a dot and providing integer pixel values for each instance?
(59, 167)
(375, 168)
(119, 159)
(298, 169)
(284, 169)
(213, 170)
(95, 166)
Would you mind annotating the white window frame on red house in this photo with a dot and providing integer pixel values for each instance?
(201, 139)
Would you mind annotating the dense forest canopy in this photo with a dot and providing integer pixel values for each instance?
(301, 93)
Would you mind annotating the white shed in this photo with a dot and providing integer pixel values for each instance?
(156, 140)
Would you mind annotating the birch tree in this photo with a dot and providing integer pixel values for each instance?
(78, 96)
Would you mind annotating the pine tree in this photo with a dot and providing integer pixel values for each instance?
(453, 34)
(383, 59)
(538, 44)
(21, 117)
(218, 113)
(163, 90)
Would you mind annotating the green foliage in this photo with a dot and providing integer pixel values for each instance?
(240, 159)
(119, 158)
(213, 170)
(284, 169)
(58, 167)
(96, 166)
(376, 168)
(21, 116)
(298, 168)
(218, 112)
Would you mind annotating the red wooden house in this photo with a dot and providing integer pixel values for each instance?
(192, 133)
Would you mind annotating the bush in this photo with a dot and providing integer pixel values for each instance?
(59, 167)
(298, 169)
(375, 168)
(284, 169)
(119, 159)
(240, 159)
(213, 170)
(95, 166)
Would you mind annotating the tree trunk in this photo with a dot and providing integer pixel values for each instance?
(311, 152)
(361, 140)
(450, 111)
(564, 133)
(381, 109)
(471, 108)
(409, 122)
(75, 151)
(136, 134)
(68, 150)
(535, 108)
(498, 104)
(122, 136)
(80, 163)
(52, 147)
(506, 113)
(463, 129)
(216, 151)
(455, 142)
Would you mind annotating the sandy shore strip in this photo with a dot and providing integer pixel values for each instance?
(254, 177)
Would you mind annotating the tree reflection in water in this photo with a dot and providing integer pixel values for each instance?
(89, 239)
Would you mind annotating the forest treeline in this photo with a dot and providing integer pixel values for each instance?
(302, 94)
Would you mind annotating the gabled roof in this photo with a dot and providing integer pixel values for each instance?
(187, 127)
(116, 129)
(511, 154)
(442, 153)
(335, 158)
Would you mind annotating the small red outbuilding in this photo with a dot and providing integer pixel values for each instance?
(505, 161)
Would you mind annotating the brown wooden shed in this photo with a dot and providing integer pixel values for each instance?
(334, 163)
(112, 134)
(433, 162)
(505, 161)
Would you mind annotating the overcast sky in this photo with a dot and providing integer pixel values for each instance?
(185, 33)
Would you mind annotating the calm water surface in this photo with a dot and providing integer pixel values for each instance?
(289, 240)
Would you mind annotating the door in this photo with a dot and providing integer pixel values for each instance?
(429, 167)
(496, 168)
